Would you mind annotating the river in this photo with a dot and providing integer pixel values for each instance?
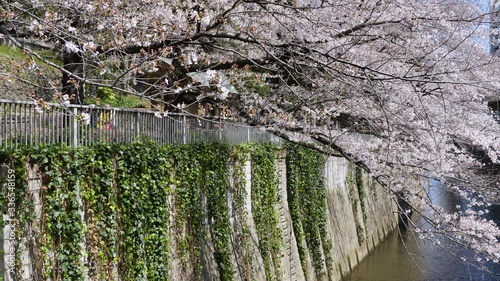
(404, 257)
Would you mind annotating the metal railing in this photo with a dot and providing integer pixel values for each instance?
(22, 123)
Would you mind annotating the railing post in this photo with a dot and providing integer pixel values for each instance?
(137, 125)
(184, 130)
(220, 130)
(74, 128)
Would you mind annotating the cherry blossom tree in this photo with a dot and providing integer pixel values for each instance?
(398, 87)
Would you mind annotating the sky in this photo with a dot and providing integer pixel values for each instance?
(484, 5)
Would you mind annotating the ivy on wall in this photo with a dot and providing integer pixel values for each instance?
(15, 204)
(216, 183)
(240, 232)
(186, 208)
(357, 196)
(265, 200)
(61, 219)
(142, 187)
(307, 204)
(360, 186)
(120, 211)
(100, 211)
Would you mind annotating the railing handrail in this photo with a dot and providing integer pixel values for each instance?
(110, 108)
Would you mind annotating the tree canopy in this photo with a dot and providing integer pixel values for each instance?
(399, 87)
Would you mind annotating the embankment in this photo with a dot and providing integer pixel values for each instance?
(187, 212)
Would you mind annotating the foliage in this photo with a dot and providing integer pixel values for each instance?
(360, 186)
(201, 178)
(106, 96)
(255, 85)
(18, 83)
(6, 51)
(142, 178)
(240, 230)
(187, 206)
(307, 203)
(215, 186)
(21, 55)
(265, 200)
(357, 198)
(119, 211)
(21, 214)
(63, 233)
(101, 218)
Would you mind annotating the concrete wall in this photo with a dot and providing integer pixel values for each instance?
(8, 244)
(357, 221)
(379, 211)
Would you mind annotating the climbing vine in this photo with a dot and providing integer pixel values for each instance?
(186, 207)
(100, 211)
(61, 242)
(360, 186)
(240, 231)
(307, 203)
(265, 199)
(215, 180)
(15, 203)
(143, 180)
(216, 184)
(357, 197)
(121, 211)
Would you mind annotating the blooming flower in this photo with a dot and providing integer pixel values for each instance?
(85, 117)
(71, 47)
(211, 74)
(65, 100)
(223, 93)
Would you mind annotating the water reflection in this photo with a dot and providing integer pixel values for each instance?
(405, 257)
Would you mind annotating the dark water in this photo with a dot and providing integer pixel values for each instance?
(404, 257)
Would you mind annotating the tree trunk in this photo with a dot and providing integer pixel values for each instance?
(70, 85)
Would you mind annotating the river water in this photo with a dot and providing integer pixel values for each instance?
(404, 257)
